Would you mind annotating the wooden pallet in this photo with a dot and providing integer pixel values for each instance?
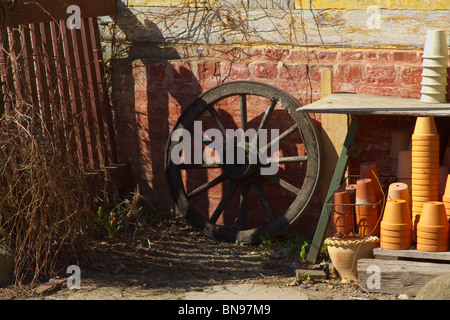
(401, 271)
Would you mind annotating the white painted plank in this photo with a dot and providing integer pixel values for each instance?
(350, 103)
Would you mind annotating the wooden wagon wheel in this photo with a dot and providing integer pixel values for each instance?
(235, 201)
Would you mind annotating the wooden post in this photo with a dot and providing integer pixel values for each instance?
(334, 130)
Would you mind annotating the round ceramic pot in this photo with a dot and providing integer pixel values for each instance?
(396, 212)
(369, 170)
(433, 214)
(342, 213)
(345, 253)
(396, 234)
(434, 62)
(425, 125)
(400, 191)
(435, 44)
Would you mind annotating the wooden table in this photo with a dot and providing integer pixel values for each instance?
(355, 105)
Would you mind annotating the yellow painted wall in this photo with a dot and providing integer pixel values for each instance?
(382, 4)
(321, 4)
(162, 3)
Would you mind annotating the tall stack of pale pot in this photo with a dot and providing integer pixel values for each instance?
(434, 74)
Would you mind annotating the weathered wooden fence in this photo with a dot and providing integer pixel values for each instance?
(55, 73)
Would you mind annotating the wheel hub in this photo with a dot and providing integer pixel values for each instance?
(239, 169)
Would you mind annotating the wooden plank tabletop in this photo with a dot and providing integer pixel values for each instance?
(360, 104)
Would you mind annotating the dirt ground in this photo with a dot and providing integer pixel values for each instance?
(170, 261)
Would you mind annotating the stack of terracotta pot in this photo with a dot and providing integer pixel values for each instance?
(425, 166)
(433, 228)
(396, 226)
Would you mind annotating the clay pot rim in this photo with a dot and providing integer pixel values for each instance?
(395, 227)
(426, 248)
(433, 229)
(432, 235)
(425, 182)
(390, 246)
(391, 240)
(424, 165)
(421, 170)
(424, 187)
(431, 242)
(446, 197)
(343, 241)
(425, 136)
(396, 234)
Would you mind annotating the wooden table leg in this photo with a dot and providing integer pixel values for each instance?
(338, 176)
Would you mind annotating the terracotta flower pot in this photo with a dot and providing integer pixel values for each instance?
(447, 186)
(424, 139)
(369, 170)
(400, 191)
(367, 208)
(397, 212)
(424, 165)
(342, 213)
(345, 253)
(433, 214)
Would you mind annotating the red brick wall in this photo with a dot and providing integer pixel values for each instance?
(157, 85)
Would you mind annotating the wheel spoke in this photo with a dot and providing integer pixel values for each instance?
(185, 166)
(267, 114)
(243, 108)
(281, 137)
(219, 121)
(206, 186)
(283, 183)
(242, 206)
(264, 199)
(221, 206)
(288, 159)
